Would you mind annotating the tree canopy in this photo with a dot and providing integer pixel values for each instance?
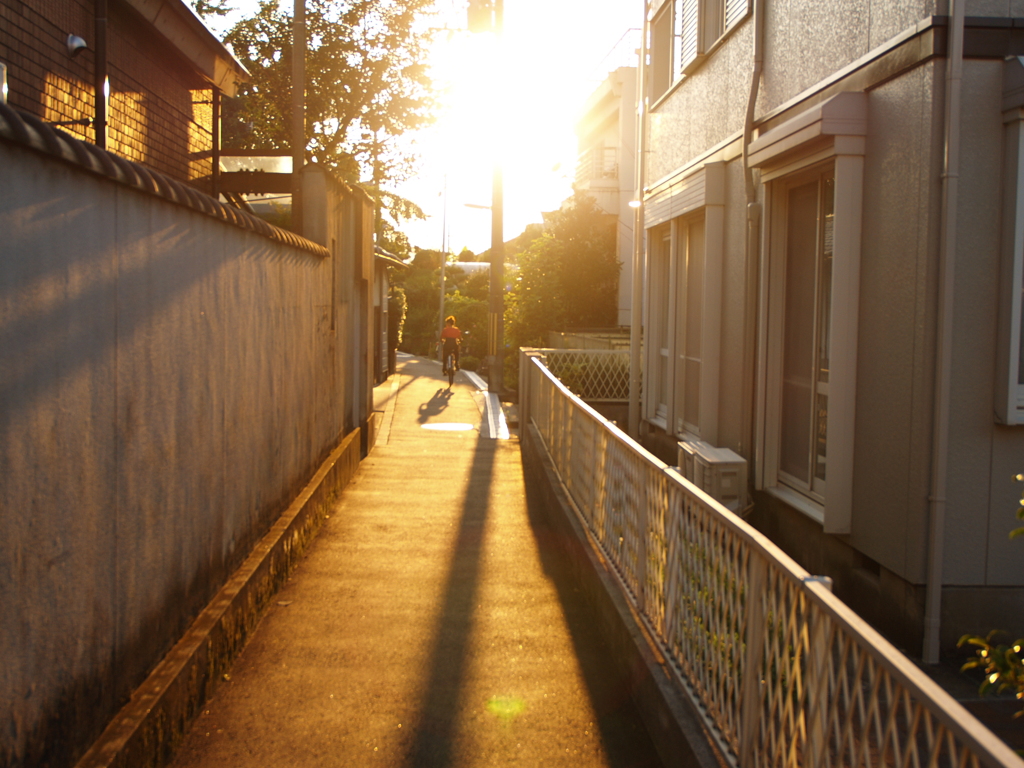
(367, 84)
(206, 8)
(465, 298)
(568, 277)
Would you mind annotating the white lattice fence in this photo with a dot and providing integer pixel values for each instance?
(594, 375)
(784, 672)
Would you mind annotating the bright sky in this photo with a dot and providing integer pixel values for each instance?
(553, 57)
(524, 97)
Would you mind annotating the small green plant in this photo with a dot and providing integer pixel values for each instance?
(1004, 670)
(1002, 664)
(469, 363)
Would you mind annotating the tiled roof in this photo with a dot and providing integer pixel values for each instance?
(31, 132)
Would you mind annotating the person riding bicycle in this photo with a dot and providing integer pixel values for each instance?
(451, 338)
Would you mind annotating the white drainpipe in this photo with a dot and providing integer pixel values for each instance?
(944, 341)
(753, 217)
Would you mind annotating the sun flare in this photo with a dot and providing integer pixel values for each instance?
(513, 100)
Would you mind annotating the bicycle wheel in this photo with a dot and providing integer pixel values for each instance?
(451, 370)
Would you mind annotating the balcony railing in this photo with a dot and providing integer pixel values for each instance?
(597, 164)
(783, 671)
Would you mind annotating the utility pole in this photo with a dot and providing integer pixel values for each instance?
(444, 259)
(488, 16)
(496, 335)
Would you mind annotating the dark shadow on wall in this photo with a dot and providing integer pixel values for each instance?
(90, 299)
(69, 335)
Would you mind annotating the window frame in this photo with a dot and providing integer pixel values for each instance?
(832, 132)
(684, 33)
(691, 264)
(813, 488)
(1009, 383)
(659, 327)
(674, 210)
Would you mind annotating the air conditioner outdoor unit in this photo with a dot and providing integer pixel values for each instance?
(719, 472)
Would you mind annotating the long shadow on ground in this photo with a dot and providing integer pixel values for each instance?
(622, 732)
(448, 656)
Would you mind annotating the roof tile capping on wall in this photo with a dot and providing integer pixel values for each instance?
(32, 133)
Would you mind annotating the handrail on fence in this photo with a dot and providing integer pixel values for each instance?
(784, 673)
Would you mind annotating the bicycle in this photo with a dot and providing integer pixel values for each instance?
(449, 365)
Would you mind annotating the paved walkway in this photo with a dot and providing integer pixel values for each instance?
(428, 625)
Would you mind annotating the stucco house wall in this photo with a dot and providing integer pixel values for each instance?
(893, 52)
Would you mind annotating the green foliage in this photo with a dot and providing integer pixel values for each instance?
(394, 241)
(367, 83)
(473, 285)
(515, 246)
(206, 8)
(471, 317)
(465, 298)
(1001, 664)
(422, 290)
(397, 308)
(567, 278)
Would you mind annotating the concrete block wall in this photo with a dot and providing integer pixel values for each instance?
(159, 111)
(168, 381)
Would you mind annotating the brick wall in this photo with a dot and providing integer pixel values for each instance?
(159, 112)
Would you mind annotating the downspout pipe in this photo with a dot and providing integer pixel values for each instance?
(637, 288)
(100, 75)
(755, 86)
(944, 339)
(753, 214)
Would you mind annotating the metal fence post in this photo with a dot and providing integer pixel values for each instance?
(817, 678)
(750, 702)
(642, 533)
(526, 357)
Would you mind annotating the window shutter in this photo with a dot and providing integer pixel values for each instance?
(734, 11)
(687, 36)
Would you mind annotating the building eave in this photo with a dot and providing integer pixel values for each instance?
(178, 24)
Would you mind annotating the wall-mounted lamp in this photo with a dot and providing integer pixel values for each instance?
(3, 83)
(76, 45)
(635, 203)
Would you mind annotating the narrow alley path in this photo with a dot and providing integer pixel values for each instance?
(427, 625)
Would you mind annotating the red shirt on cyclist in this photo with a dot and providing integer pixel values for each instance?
(451, 338)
